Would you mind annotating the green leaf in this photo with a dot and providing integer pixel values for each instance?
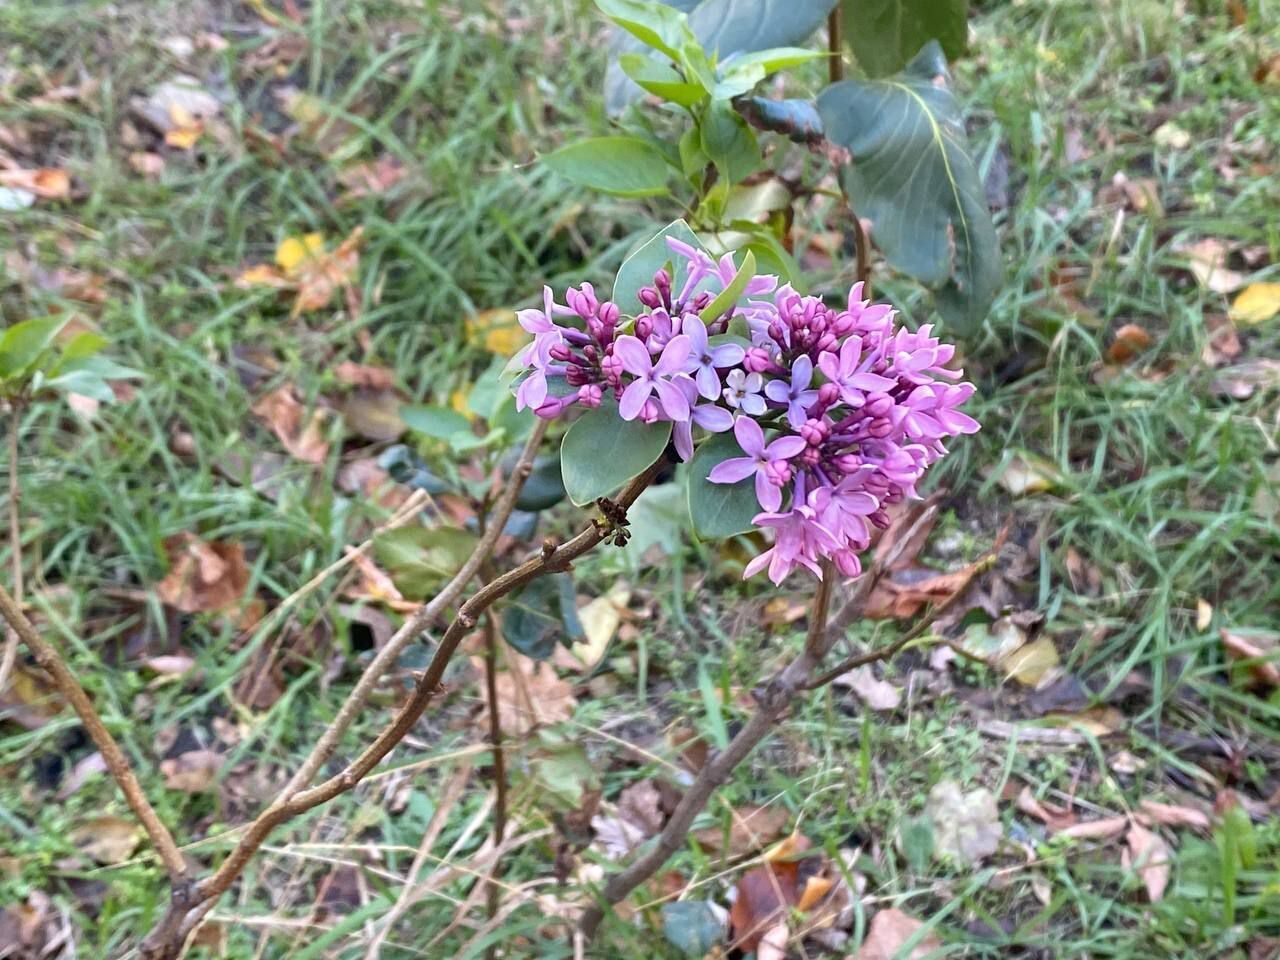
(728, 27)
(719, 510)
(693, 926)
(434, 421)
(888, 33)
(797, 120)
(420, 558)
(651, 256)
(737, 80)
(658, 518)
(729, 142)
(655, 25)
(601, 452)
(544, 487)
(23, 343)
(727, 298)
(912, 176)
(623, 166)
(775, 58)
(661, 79)
(540, 614)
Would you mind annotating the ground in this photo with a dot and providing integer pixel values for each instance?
(1128, 452)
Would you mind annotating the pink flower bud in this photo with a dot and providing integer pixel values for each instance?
(828, 394)
(649, 297)
(609, 314)
(644, 326)
(590, 395)
(879, 405)
(757, 360)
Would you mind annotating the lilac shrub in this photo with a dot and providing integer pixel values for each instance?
(837, 412)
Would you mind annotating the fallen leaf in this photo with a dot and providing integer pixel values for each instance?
(192, 772)
(750, 828)
(170, 664)
(107, 840)
(1207, 259)
(1240, 381)
(284, 414)
(373, 414)
(617, 836)
(371, 179)
(694, 927)
(906, 592)
(600, 619)
(875, 693)
(888, 934)
(1151, 858)
(90, 766)
(497, 331)
(304, 265)
(1030, 663)
(966, 826)
(773, 944)
(1129, 341)
(203, 577)
(641, 804)
(185, 129)
(530, 694)
(179, 101)
(1169, 134)
(1103, 829)
(1262, 646)
(1026, 473)
(45, 183)
(910, 523)
(1256, 303)
(1053, 817)
(365, 375)
(149, 165)
(1171, 815)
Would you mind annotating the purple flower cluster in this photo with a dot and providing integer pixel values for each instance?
(838, 413)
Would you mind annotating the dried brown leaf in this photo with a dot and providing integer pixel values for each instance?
(303, 436)
(1151, 857)
(1172, 815)
(1103, 829)
(203, 577)
(889, 932)
(1262, 646)
(751, 828)
(192, 772)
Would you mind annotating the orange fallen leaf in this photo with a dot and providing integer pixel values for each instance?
(47, 183)
(1129, 341)
(203, 577)
(365, 375)
(304, 265)
(304, 438)
(1262, 646)
(1055, 818)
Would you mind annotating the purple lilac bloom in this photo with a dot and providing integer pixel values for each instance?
(864, 406)
(768, 463)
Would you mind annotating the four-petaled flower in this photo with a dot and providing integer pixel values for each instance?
(653, 377)
(761, 460)
(704, 358)
(795, 393)
(851, 373)
(742, 391)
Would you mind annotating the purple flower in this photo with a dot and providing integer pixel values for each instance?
(649, 377)
(851, 373)
(795, 394)
(766, 462)
(742, 391)
(704, 358)
(706, 415)
(800, 540)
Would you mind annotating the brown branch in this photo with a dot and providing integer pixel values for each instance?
(772, 701)
(48, 658)
(421, 620)
(494, 891)
(835, 62)
(165, 941)
(10, 655)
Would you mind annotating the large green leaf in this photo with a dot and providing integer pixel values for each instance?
(601, 452)
(886, 34)
(719, 510)
(23, 343)
(726, 27)
(419, 559)
(651, 256)
(624, 166)
(913, 178)
(541, 613)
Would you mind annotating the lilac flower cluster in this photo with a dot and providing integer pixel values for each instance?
(838, 413)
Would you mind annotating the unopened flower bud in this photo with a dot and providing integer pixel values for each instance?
(828, 394)
(576, 376)
(561, 352)
(814, 431)
(649, 297)
(879, 404)
(757, 360)
(880, 428)
(644, 326)
(590, 395)
(608, 313)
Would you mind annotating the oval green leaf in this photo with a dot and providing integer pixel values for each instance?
(651, 256)
(719, 510)
(602, 451)
(623, 166)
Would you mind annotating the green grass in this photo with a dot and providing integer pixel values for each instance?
(1158, 489)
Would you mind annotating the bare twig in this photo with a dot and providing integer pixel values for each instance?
(166, 939)
(835, 44)
(417, 623)
(10, 655)
(118, 765)
(499, 765)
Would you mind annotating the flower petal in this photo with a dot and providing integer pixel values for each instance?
(633, 398)
(732, 470)
(674, 354)
(784, 448)
(770, 497)
(753, 404)
(713, 418)
(674, 403)
(750, 436)
(634, 355)
(708, 382)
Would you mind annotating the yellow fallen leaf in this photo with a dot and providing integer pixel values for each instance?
(262, 275)
(600, 619)
(1030, 663)
(497, 331)
(294, 250)
(1256, 303)
(1027, 474)
(185, 130)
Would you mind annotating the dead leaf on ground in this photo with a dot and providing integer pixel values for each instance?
(600, 619)
(1150, 856)
(192, 772)
(966, 826)
(371, 179)
(46, 183)
(1129, 341)
(750, 828)
(107, 840)
(29, 699)
(1222, 343)
(91, 766)
(1256, 303)
(907, 591)
(1241, 380)
(1103, 829)
(182, 101)
(773, 944)
(373, 414)
(1261, 646)
(1052, 816)
(366, 375)
(888, 934)
(1030, 664)
(203, 577)
(1207, 260)
(302, 435)
(530, 694)
(875, 693)
(306, 266)
(767, 892)
(1173, 815)
(641, 803)
(1026, 473)
(910, 523)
